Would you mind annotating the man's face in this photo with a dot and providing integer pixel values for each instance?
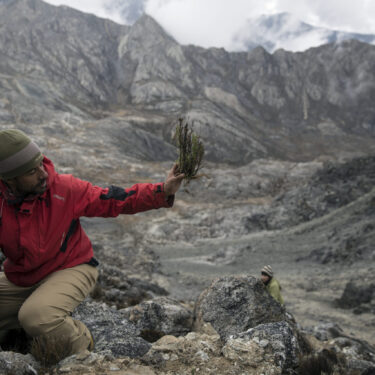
(33, 182)
(264, 278)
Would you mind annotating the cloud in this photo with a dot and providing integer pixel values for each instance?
(208, 23)
(346, 15)
(213, 23)
(278, 31)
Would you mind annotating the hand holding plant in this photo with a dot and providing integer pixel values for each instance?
(191, 151)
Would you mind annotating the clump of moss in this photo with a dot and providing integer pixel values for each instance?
(191, 151)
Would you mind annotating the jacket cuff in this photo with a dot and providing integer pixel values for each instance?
(162, 199)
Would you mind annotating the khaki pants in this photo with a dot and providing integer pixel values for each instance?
(44, 309)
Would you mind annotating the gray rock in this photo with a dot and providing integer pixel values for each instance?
(356, 293)
(329, 188)
(159, 317)
(369, 371)
(358, 353)
(277, 340)
(115, 287)
(327, 331)
(111, 330)
(235, 304)
(18, 364)
(125, 272)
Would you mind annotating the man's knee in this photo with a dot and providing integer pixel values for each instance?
(38, 319)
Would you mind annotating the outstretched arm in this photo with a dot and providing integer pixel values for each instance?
(93, 200)
(173, 181)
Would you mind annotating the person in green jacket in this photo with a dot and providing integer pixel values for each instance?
(272, 285)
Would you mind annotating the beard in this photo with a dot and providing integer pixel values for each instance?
(37, 189)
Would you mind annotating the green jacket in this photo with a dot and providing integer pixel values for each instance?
(273, 288)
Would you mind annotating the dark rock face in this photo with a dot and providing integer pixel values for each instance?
(331, 187)
(111, 330)
(159, 317)
(360, 355)
(115, 287)
(125, 273)
(355, 294)
(235, 304)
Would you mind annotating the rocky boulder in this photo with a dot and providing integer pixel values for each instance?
(349, 355)
(360, 356)
(326, 331)
(18, 364)
(187, 353)
(235, 304)
(355, 294)
(111, 330)
(159, 317)
(267, 346)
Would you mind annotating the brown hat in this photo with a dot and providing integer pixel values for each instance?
(267, 270)
(18, 154)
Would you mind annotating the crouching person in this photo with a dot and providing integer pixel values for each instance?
(272, 285)
(50, 266)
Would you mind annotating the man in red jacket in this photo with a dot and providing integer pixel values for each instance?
(50, 267)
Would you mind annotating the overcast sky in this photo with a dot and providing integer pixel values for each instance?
(213, 22)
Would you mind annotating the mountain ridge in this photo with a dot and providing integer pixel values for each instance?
(293, 106)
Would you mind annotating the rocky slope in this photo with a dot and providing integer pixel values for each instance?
(261, 338)
(57, 63)
(282, 187)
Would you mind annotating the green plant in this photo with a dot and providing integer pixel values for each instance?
(191, 151)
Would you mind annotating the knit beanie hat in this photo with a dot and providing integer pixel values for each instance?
(267, 270)
(18, 154)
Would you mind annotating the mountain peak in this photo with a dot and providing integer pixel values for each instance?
(147, 29)
(149, 23)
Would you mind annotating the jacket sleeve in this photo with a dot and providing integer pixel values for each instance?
(90, 200)
(275, 292)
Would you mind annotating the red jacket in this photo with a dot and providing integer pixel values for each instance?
(43, 233)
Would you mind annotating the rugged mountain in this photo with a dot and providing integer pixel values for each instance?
(56, 56)
(136, 81)
(283, 30)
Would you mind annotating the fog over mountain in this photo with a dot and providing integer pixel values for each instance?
(128, 11)
(281, 30)
(286, 31)
(206, 27)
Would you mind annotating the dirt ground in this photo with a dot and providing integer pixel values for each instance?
(309, 288)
